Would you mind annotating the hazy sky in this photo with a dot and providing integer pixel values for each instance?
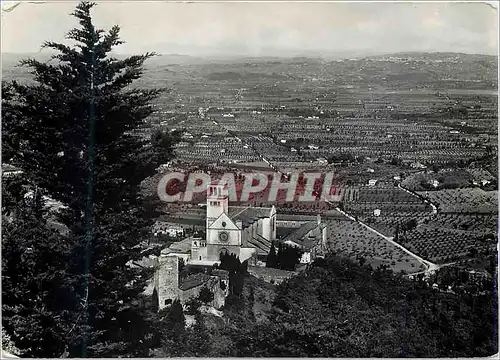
(265, 28)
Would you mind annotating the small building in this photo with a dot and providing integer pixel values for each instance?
(417, 165)
(485, 182)
(372, 182)
(322, 161)
(311, 238)
(164, 228)
(169, 286)
(376, 212)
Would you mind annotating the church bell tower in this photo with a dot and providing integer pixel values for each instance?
(217, 202)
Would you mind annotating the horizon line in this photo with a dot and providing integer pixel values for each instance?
(313, 55)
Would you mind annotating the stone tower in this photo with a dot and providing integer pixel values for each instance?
(167, 280)
(217, 202)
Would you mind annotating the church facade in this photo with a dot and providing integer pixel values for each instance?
(247, 232)
(235, 231)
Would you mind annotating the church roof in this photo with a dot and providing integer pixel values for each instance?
(248, 215)
(298, 236)
(182, 246)
(295, 217)
(262, 244)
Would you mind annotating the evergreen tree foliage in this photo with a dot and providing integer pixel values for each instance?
(199, 337)
(192, 306)
(237, 271)
(337, 308)
(287, 257)
(205, 295)
(176, 321)
(271, 257)
(72, 134)
(38, 308)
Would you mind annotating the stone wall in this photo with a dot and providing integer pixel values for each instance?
(166, 279)
(270, 275)
(214, 285)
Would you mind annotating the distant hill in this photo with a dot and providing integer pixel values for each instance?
(435, 56)
(471, 71)
(11, 59)
(233, 75)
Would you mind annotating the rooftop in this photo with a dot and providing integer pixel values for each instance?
(266, 271)
(193, 280)
(182, 246)
(248, 215)
(298, 236)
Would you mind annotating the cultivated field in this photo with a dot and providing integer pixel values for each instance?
(446, 179)
(348, 238)
(478, 223)
(464, 200)
(396, 206)
(440, 245)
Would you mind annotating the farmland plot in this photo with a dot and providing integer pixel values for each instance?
(349, 238)
(447, 179)
(473, 200)
(396, 206)
(441, 245)
(478, 223)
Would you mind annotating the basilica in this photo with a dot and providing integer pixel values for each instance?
(243, 231)
(247, 232)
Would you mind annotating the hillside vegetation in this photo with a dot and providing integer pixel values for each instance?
(337, 308)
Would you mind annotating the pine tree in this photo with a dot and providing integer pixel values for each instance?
(38, 308)
(288, 256)
(175, 320)
(199, 338)
(280, 256)
(205, 295)
(272, 257)
(72, 133)
(237, 271)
